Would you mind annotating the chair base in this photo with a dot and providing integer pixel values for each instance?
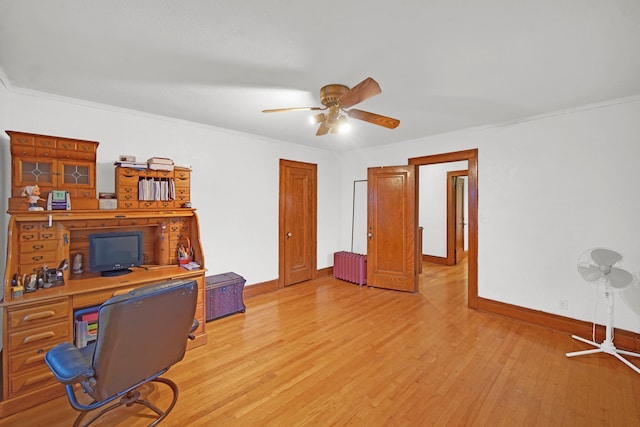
(130, 398)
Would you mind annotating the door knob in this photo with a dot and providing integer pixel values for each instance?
(370, 234)
(289, 234)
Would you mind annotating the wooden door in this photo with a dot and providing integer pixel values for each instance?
(392, 223)
(459, 253)
(297, 240)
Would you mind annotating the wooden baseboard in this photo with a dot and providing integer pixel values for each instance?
(260, 288)
(272, 285)
(434, 259)
(324, 272)
(623, 339)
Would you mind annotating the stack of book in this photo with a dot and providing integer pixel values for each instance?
(156, 189)
(160, 164)
(134, 165)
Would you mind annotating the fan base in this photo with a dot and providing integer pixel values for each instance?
(605, 347)
(330, 94)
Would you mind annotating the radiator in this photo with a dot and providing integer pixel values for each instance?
(350, 267)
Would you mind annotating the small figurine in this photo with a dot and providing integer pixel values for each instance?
(33, 193)
(77, 264)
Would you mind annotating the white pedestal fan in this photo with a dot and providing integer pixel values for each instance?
(600, 264)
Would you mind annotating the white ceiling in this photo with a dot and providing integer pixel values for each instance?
(442, 64)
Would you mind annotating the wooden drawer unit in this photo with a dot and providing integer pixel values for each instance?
(179, 233)
(130, 195)
(33, 329)
(183, 186)
(52, 163)
(38, 245)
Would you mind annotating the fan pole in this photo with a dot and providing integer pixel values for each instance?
(606, 346)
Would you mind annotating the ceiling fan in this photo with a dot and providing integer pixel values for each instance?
(338, 99)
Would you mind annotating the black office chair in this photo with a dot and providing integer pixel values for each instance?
(141, 334)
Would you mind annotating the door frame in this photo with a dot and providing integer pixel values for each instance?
(471, 156)
(451, 216)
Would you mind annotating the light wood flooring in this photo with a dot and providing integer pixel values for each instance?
(331, 353)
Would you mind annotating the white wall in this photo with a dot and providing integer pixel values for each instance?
(432, 206)
(549, 188)
(234, 178)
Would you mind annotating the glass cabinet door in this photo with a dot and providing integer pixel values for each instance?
(32, 171)
(75, 174)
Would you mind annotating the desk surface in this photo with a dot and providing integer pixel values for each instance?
(77, 287)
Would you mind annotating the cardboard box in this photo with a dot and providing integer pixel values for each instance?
(107, 204)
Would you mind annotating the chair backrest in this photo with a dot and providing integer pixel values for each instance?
(141, 334)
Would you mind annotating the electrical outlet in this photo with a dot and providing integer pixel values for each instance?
(564, 304)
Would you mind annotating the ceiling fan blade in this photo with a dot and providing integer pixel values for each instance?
(323, 129)
(280, 110)
(364, 90)
(376, 119)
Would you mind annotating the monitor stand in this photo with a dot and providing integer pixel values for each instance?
(114, 273)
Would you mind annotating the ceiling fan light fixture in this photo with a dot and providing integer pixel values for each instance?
(342, 124)
(317, 118)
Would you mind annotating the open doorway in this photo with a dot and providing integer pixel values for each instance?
(457, 213)
(471, 157)
(443, 209)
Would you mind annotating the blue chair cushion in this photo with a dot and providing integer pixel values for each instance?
(69, 364)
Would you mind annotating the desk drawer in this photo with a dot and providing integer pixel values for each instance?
(36, 246)
(29, 361)
(39, 338)
(128, 180)
(38, 315)
(20, 384)
(96, 298)
(48, 257)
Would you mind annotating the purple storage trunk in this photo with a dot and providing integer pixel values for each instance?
(224, 295)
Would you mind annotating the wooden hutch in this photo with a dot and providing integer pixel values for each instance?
(34, 322)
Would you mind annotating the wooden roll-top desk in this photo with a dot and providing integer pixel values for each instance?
(34, 322)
